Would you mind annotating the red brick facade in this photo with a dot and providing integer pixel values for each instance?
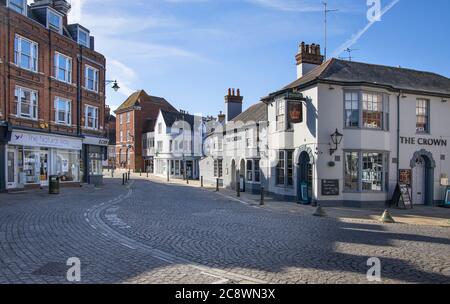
(143, 111)
(43, 81)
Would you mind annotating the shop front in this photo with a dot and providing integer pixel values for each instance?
(95, 152)
(31, 157)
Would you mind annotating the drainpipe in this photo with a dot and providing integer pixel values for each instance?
(398, 135)
(79, 108)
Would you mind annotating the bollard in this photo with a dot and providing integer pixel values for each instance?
(261, 203)
(123, 178)
(140, 173)
(201, 181)
(187, 180)
(129, 175)
(112, 173)
(217, 185)
(147, 174)
(238, 189)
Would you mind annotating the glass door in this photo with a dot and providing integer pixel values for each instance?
(43, 168)
(11, 168)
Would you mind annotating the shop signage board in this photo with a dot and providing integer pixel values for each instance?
(96, 141)
(330, 187)
(21, 138)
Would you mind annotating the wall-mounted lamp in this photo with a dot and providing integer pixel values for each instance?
(336, 139)
(115, 86)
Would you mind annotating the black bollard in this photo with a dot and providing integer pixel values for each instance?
(261, 203)
(123, 178)
(238, 189)
(140, 172)
(217, 185)
(201, 181)
(129, 175)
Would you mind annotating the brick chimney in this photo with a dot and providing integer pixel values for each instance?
(233, 103)
(308, 58)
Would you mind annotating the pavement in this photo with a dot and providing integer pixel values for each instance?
(151, 232)
(419, 215)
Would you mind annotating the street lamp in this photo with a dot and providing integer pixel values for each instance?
(115, 86)
(336, 139)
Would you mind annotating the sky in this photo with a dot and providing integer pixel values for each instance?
(191, 51)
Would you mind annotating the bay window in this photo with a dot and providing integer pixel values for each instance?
(257, 176)
(91, 76)
(63, 111)
(365, 171)
(63, 67)
(26, 103)
(369, 110)
(26, 53)
(285, 168)
(91, 117)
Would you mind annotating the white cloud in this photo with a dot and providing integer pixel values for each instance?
(291, 5)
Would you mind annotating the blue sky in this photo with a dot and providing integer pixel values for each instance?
(191, 51)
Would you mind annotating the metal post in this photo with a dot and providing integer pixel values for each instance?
(201, 181)
(129, 175)
(123, 178)
(140, 172)
(261, 203)
(147, 174)
(112, 173)
(217, 185)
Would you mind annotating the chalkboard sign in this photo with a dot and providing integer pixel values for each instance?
(330, 187)
(406, 197)
(401, 197)
(447, 197)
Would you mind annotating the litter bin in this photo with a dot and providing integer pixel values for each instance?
(53, 187)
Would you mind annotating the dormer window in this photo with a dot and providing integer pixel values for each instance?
(19, 6)
(83, 38)
(54, 21)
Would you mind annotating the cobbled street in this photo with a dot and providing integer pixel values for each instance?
(150, 232)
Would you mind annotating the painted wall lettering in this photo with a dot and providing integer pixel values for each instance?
(423, 141)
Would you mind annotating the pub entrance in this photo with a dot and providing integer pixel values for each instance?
(305, 178)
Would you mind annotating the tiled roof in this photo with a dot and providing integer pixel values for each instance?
(141, 96)
(336, 70)
(255, 113)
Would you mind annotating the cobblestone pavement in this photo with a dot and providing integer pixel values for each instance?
(149, 232)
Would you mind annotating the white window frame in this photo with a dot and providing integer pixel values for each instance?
(95, 118)
(95, 80)
(121, 136)
(14, 7)
(33, 114)
(51, 26)
(34, 56)
(88, 42)
(67, 111)
(128, 117)
(67, 69)
(280, 115)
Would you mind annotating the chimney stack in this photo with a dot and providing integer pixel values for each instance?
(233, 104)
(308, 58)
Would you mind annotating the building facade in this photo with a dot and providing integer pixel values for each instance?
(110, 128)
(137, 115)
(348, 133)
(177, 143)
(52, 96)
(234, 149)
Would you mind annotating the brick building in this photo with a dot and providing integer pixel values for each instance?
(110, 128)
(136, 116)
(52, 97)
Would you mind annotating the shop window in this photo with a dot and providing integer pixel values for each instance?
(26, 103)
(249, 170)
(95, 164)
(365, 171)
(218, 168)
(63, 109)
(281, 168)
(66, 165)
(257, 172)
